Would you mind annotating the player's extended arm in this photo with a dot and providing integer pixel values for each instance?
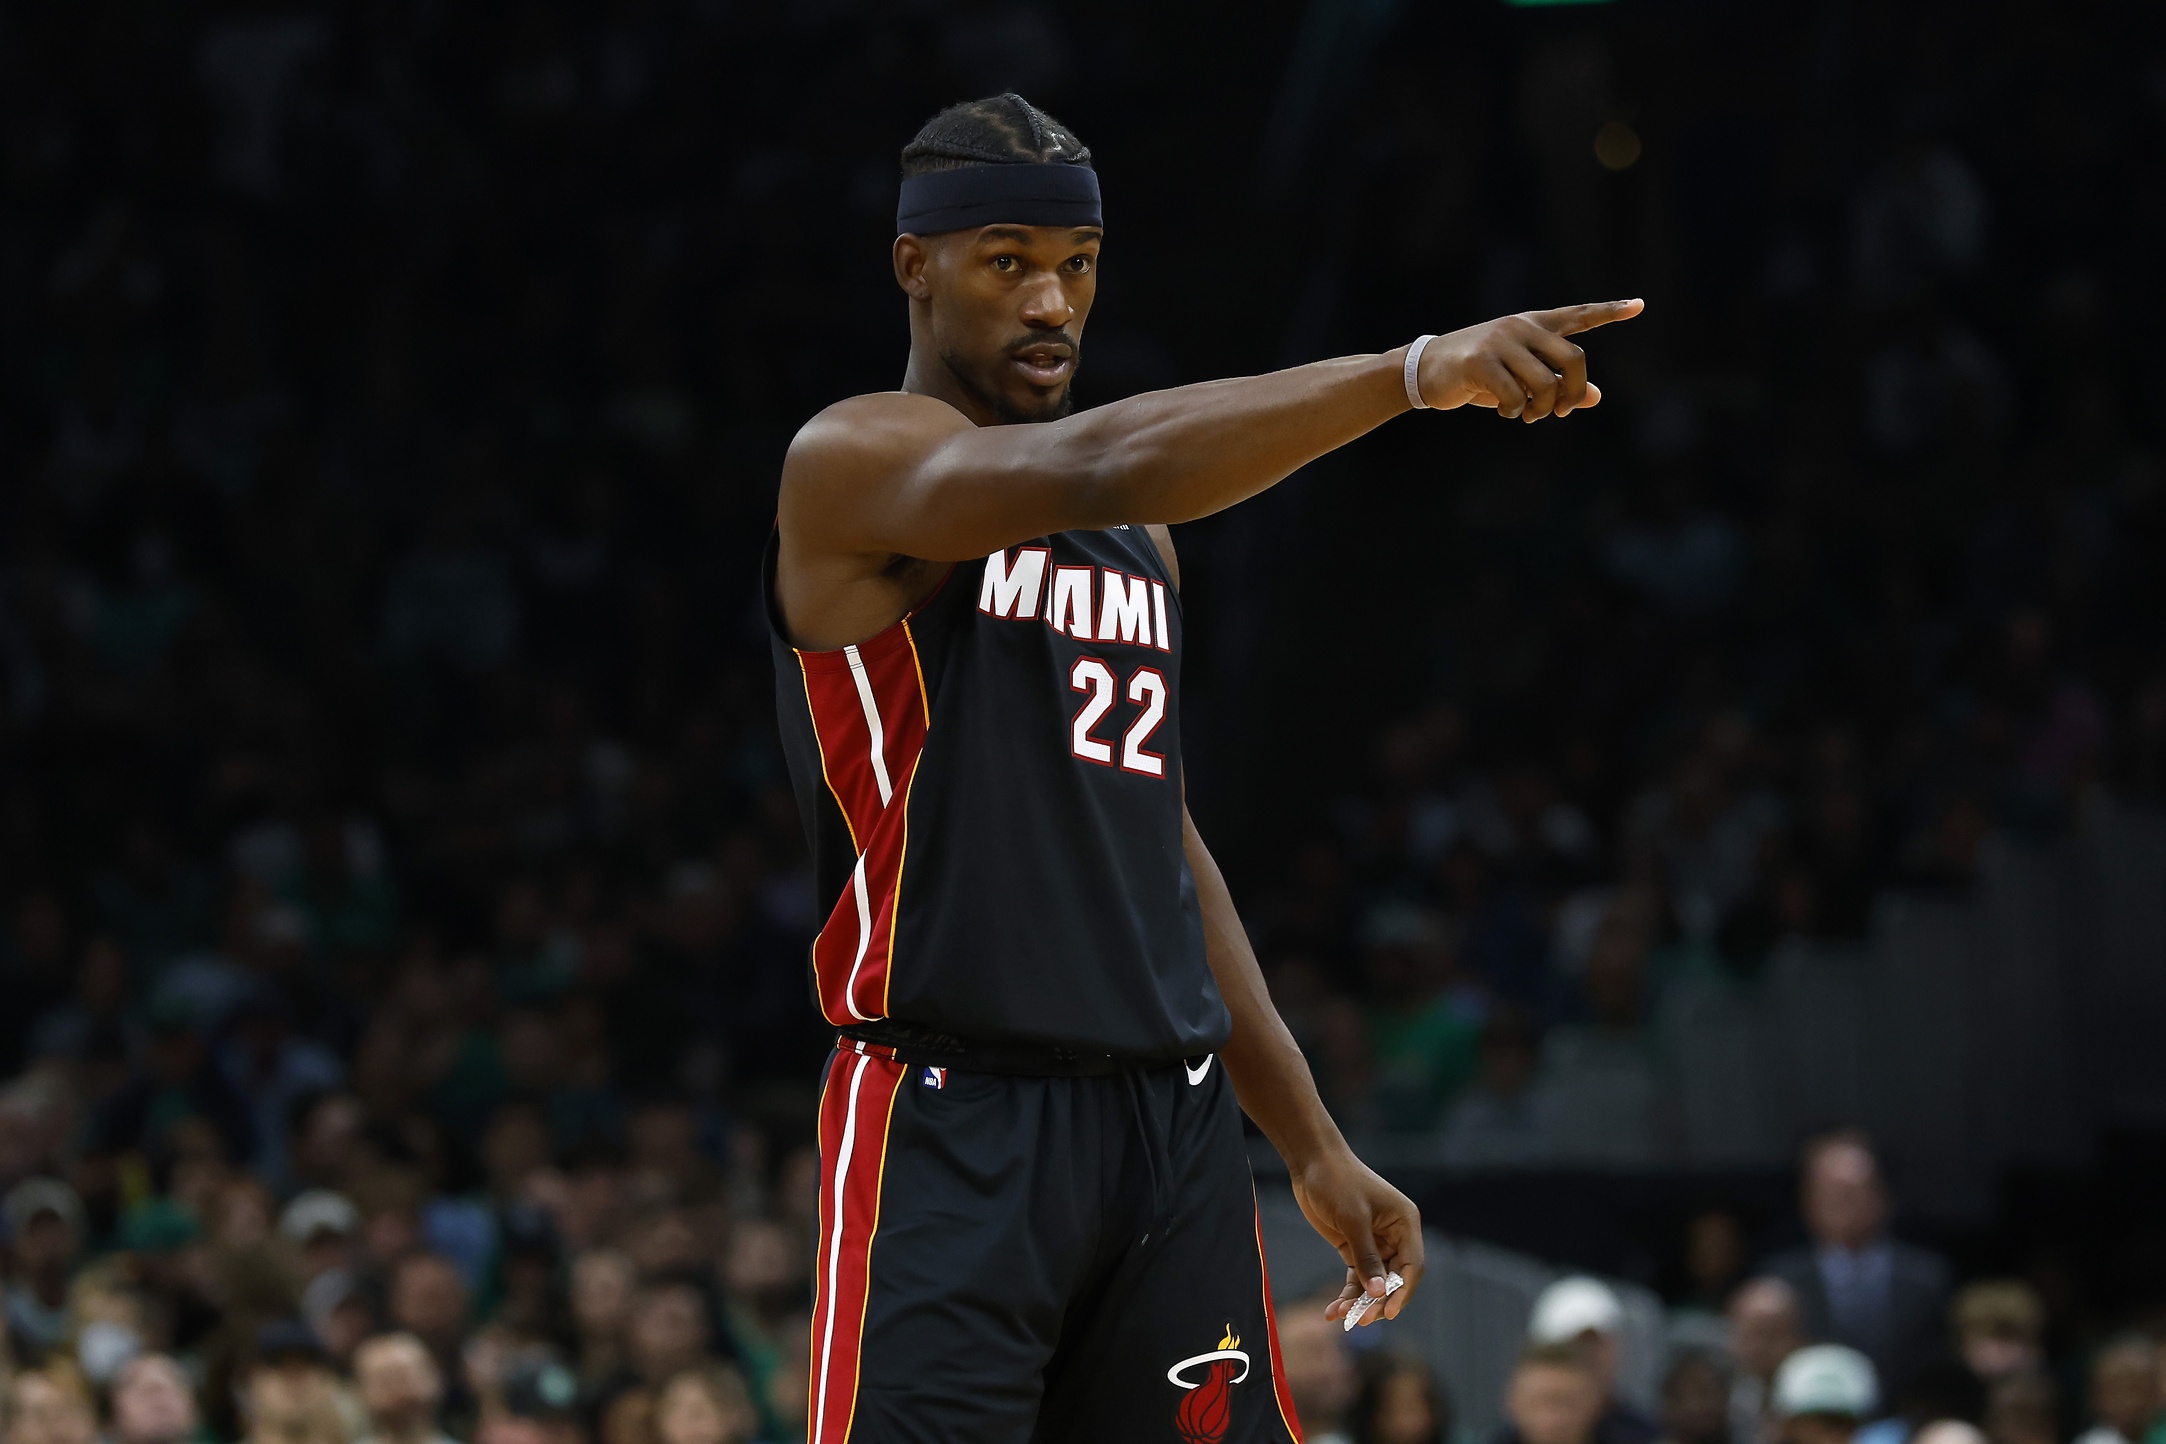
(903, 474)
(1374, 1227)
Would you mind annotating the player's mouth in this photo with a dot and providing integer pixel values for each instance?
(1046, 365)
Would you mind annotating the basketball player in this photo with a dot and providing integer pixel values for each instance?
(1036, 1215)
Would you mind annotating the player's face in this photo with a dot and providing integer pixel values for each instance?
(1007, 306)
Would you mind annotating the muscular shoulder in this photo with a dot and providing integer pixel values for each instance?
(838, 579)
(845, 464)
(866, 435)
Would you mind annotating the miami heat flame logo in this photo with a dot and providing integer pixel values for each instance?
(1207, 1407)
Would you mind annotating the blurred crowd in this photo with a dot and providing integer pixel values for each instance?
(1854, 591)
(1855, 1337)
(404, 910)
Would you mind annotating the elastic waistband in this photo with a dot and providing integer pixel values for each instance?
(924, 1047)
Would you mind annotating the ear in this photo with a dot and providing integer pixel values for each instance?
(912, 258)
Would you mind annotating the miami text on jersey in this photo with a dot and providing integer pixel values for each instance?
(1091, 604)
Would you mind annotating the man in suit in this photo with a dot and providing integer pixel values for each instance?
(1856, 1285)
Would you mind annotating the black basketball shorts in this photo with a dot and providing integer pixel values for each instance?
(1011, 1259)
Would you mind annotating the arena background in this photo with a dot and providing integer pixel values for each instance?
(391, 397)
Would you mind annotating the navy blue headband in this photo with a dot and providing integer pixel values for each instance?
(991, 195)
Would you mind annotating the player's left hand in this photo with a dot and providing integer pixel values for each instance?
(1520, 366)
(1375, 1228)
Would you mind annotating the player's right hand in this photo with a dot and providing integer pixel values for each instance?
(1519, 365)
(1375, 1228)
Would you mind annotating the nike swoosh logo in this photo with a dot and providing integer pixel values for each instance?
(1195, 1075)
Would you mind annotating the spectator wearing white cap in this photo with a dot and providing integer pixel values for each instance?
(1585, 1313)
(44, 1234)
(1823, 1393)
(1553, 1398)
(323, 1224)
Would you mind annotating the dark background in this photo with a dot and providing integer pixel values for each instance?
(391, 399)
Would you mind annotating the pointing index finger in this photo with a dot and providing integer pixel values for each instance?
(1571, 320)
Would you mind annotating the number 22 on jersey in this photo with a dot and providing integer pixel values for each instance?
(1147, 686)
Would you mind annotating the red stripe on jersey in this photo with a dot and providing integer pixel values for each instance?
(869, 711)
(1271, 1331)
(856, 1107)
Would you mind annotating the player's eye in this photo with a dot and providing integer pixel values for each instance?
(1080, 265)
(1006, 265)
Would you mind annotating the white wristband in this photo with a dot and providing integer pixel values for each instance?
(1413, 371)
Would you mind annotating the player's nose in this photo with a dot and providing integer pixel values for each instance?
(1045, 303)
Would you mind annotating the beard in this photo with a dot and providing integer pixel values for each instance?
(981, 386)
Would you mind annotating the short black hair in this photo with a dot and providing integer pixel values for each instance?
(998, 130)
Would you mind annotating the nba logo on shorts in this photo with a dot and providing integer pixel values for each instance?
(936, 1077)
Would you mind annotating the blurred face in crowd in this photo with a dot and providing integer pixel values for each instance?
(1406, 1411)
(629, 1419)
(529, 1301)
(588, 1206)
(601, 1292)
(1764, 1326)
(1695, 1402)
(1998, 1353)
(46, 1246)
(399, 1385)
(1319, 1371)
(242, 1215)
(293, 1405)
(2126, 1388)
(1818, 1429)
(1844, 1204)
(428, 1298)
(668, 1241)
(764, 1266)
(1604, 1354)
(515, 1147)
(346, 1324)
(2000, 1327)
(528, 1043)
(669, 1331)
(325, 1249)
(521, 1429)
(152, 1403)
(2019, 1410)
(391, 1232)
(709, 1406)
(46, 1410)
(1714, 1252)
(325, 1143)
(1553, 1403)
(664, 1139)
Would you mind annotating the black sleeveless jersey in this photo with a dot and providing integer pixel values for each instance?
(992, 792)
